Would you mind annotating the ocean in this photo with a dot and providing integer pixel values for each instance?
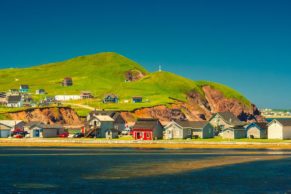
(138, 171)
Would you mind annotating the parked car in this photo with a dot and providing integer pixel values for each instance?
(19, 132)
(18, 136)
(78, 135)
(64, 135)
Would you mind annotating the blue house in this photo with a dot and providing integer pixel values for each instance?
(110, 98)
(24, 88)
(136, 99)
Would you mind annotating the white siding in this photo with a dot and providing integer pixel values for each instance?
(275, 131)
(287, 133)
(67, 97)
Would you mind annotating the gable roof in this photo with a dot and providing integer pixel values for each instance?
(229, 118)
(192, 124)
(285, 122)
(10, 123)
(103, 118)
(24, 87)
(145, 123)
(111, 96)
(260, 125)
(4, 127)
(113, 114)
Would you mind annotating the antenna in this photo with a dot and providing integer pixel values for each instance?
(160, 68)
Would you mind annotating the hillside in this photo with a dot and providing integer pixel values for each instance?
(104, 73)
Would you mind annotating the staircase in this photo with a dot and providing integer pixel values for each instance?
(91, 131)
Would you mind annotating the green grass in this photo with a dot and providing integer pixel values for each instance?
(104, 73)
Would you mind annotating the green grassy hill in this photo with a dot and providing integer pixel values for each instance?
(104, 73)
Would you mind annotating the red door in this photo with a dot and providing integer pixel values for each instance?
(148, 135)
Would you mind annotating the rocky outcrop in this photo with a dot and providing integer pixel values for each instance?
(199, 107)
(133, 75)
(63, 115)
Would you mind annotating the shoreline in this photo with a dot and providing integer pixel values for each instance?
(141, 144)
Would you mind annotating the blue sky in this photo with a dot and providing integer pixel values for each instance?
(245, 44)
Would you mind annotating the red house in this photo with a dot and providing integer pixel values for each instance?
(147, 129)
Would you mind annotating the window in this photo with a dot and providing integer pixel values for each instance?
(148, 135)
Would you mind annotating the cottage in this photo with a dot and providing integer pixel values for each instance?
(14, 101)
(147, 129)
(68, 81)
(67, 97)
(99, 124)
(119, 122)
(136, 99)
(111, 133)
(257, 130)
(178, 130)
(40, 91)
(39, 129)
(5, 131)
(110, 98)
(224, 120)
(13, 124)
(202, 129)
(23, 88)
(279, 129)
(86, 95)
(233, 133)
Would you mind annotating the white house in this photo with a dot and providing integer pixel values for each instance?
(101, 124)
(67, 97)
(279, 129)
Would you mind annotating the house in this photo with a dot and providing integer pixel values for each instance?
(13, 124)
(224, 120)
(86, 95)
(99, 124)
(5, 131)
(2, 94)
(136, 99)
(202, 129)
(14, 101)
(67, 97)
(68, 81)
(178, 130)
(39, 129)
(23, 88)
(110, 98)
(279, 129)
(111, 133)
(233, 133)
(119, 122)
(257, 130)
(147, 129)
(40, 91)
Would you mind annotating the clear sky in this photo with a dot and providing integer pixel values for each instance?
(245, 44)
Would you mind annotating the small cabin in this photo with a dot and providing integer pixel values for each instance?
(279, 129)
(147, 129)
(40, 91)
(39, 129)
(257, 130)
(136, 99)
(5, 130)
(68, 81)
(23, 88)
(110, 98)
(14, 101)
(233, 133)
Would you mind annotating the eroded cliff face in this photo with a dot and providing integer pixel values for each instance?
(65, 116)
(198, 107)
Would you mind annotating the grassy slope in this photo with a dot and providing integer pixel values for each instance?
(104, 73)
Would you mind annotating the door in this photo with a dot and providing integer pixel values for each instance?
(138, 135)
(148, 136)
(36, 133)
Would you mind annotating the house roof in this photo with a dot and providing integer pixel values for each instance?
(104, 118)
(113, 114)
(10, 123)
(261, 125)
(13, 99)
(67, 78)
(144, 123)
(43, 126)
(285, 122)
(137, 97)
(111, 96)
(230, 118)
(192, 124)
(24, 87)
(3, 128)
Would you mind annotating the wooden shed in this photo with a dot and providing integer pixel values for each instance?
(279, 129)
(68, 81)
(257, 130)
(147, 129)
(234, 133)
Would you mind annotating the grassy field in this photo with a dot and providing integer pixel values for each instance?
(104, 73)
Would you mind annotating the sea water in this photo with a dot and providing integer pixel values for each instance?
(130, 171)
